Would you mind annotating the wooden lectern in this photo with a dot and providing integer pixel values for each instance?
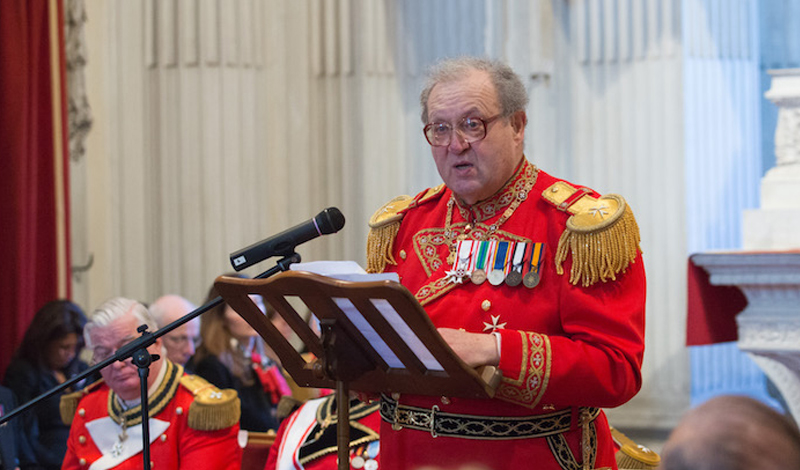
(375, 338)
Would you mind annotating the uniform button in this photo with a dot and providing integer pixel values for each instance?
(82, 439)
(163, 438)
(179, 411)
(81, 412)
(82, 461)
(402, 254)
(486, 305)
(445, 401)
(395, 396)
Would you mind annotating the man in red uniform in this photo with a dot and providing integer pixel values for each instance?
(519, 270)
(193, 424)
(307, 439)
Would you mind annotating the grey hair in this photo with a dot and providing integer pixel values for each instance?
(162, 306)
(115, 308)
(511, 92)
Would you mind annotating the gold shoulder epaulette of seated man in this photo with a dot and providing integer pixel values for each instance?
(68, 404)
(212, 408)
(385, 223)
(631, 455)
(601, 235)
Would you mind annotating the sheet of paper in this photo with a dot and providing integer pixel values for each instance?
(343, 270)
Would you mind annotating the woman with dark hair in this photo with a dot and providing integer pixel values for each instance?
(48, 356)
(232, 355)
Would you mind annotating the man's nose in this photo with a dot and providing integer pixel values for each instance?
(458, 142)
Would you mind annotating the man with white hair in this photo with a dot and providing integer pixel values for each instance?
(192, 423)
(182, 341)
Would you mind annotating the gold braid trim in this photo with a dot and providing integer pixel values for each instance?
(212, 408)
(632, 455)
(602, 235)
(601, 254)
(384, 226)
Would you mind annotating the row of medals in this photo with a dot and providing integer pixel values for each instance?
(366, 457)
(512, 263)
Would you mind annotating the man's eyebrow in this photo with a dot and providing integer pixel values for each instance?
(471, 112)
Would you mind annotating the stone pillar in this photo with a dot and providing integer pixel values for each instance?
(776, 225)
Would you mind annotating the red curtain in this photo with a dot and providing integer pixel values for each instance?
(34, 220)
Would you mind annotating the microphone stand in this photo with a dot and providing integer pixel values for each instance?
(137, 350)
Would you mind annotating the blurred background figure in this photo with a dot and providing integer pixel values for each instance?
(9, 434)
(732, 433)
(182, 341)
(232, 355)
(48, 356)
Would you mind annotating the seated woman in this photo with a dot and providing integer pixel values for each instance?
(232, 355)
(48, 356)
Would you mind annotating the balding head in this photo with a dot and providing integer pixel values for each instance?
(181, 341)
(731, 433)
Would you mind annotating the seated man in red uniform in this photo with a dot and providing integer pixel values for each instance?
(307, 439)
(192, 423)
(517, 269)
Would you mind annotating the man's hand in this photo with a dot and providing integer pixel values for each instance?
(476, 349)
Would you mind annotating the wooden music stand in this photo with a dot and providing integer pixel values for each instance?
(375, 338)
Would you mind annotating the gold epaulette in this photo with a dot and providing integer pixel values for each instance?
(384, 225)
(632, 455)
(602, 234)
(212, 408)
(68, 404)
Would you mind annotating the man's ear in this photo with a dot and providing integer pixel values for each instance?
(519, 120)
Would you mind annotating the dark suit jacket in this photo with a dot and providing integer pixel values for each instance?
(8, 433)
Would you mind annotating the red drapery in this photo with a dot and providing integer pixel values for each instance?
(34, 220)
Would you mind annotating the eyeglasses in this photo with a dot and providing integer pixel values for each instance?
(101, 353)
(182, 340)
(471, 129)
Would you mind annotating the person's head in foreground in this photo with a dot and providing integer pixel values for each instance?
(731, 433)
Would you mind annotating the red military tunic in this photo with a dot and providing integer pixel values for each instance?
(174, 443)
(307, 439)
(563, 346)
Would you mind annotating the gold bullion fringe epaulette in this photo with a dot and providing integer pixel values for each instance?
(68, 404)
(212, 408)
(632, 455)
(602, 235)
(385, 224)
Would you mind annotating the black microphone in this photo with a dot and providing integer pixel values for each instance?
(328, 221)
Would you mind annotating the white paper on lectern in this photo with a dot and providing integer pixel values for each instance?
(343, 270)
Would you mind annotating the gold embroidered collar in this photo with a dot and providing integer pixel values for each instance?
(516, 188)
(156, 401)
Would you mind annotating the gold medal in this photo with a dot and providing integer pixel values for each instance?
(478, 276)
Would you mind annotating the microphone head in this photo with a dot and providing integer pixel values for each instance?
(330, 220)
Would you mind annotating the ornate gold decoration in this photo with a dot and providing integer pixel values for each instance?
(212, 408)
(602, 235)
(384, 225)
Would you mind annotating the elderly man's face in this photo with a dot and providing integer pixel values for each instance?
(181, 342)
(475, 171)
(122, 377)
